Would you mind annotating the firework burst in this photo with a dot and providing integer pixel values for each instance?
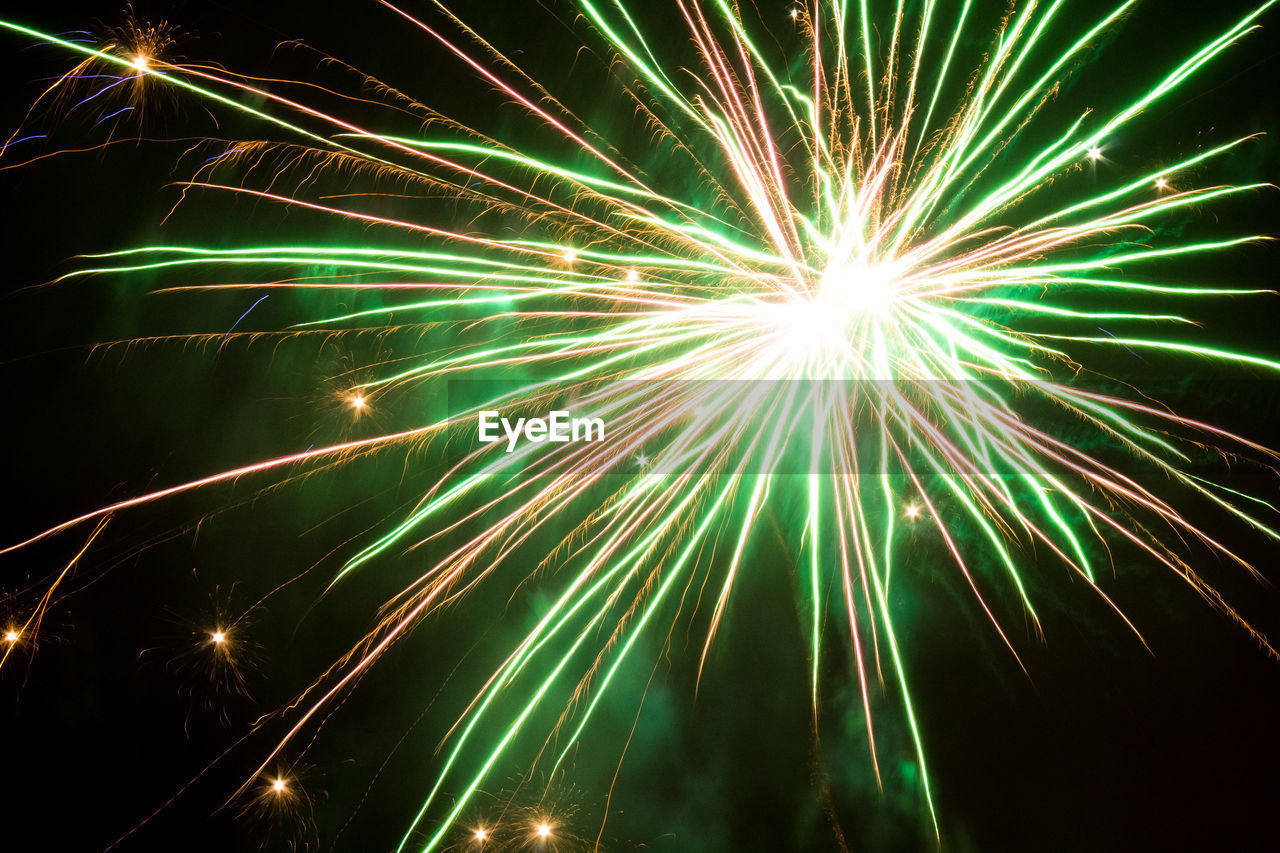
(863, 298)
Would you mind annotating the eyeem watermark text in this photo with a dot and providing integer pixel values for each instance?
(559, 427)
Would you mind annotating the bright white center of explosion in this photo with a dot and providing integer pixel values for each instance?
(830, 321)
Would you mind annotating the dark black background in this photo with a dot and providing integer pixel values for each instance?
(1101, 745)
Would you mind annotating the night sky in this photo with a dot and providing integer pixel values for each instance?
(1100, 744)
